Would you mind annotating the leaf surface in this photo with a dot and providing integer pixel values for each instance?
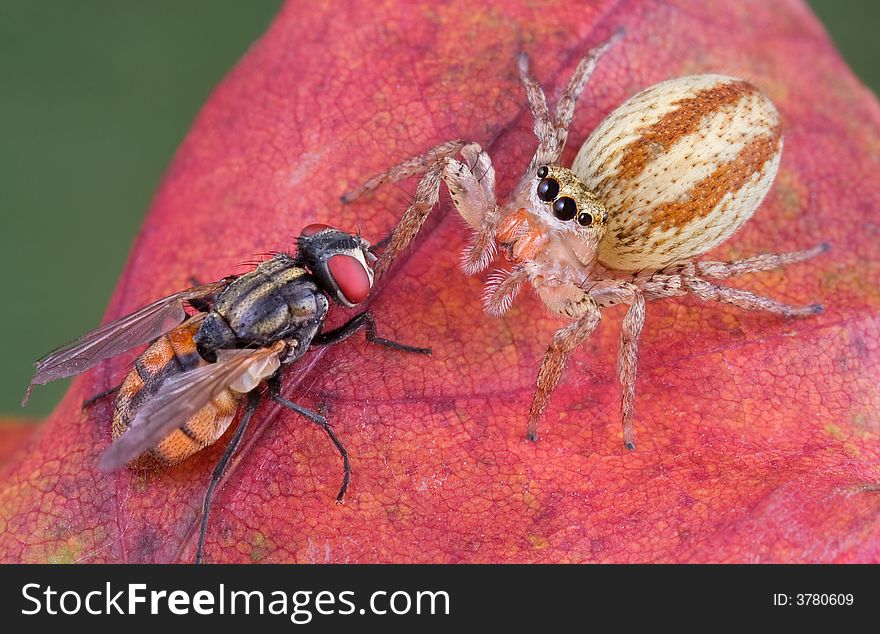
(757, 437)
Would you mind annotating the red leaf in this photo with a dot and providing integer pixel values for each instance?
(13, 434)
(758, 437)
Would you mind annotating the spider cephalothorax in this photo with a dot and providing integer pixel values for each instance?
(560, 220)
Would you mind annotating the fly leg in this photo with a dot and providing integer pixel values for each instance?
(202, 305)
(320, 421)
(86, 404)
(364, 320)
(381, 244)
(253, 402)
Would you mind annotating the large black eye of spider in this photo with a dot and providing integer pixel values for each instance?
(565, 208)
(548, 188)
(585, 219)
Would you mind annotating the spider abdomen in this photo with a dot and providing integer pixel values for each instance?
(680, 167)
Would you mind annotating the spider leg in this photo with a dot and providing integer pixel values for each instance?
(746, 299)
(627, 360)
(564, 343)
(576, 85)
(471, 185)
(688, 277)
(552, 132)
(502, 287)
(544, 128)
(763, 262)
(427, 195)
(410, 167)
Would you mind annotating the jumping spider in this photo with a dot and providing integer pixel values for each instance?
(668, 175)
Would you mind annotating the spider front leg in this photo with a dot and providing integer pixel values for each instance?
(410, 167)
(552, 131)
(471, 185)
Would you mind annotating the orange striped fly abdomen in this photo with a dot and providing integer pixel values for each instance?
(171, 354)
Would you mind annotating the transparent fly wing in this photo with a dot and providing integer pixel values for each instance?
(118, 336)
(183, 395)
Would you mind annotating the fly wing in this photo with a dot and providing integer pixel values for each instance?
(118, 336)
(183, 395)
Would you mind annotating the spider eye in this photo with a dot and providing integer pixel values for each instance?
(565, 208)
(548, 189)
(543, 171)
(585, 219)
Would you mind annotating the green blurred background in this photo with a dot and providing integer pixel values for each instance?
(96, 96)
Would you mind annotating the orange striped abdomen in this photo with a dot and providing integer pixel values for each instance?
(680, 167)
(171, 354)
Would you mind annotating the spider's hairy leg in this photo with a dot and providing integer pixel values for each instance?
(584, 305)
(410, 167)
(577, 83)
(763, 262)
(565, 341)
(688, 277)
(745, 299)
(552, 131)
(544, 128)
(471, 185)
(610, 292)
(427, 195)
(627, 361)
(502, 287)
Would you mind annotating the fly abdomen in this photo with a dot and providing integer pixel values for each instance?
(214, 334)
(171, 354)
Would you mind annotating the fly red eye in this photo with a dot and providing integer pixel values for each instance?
(310, 230)
(351, 277)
